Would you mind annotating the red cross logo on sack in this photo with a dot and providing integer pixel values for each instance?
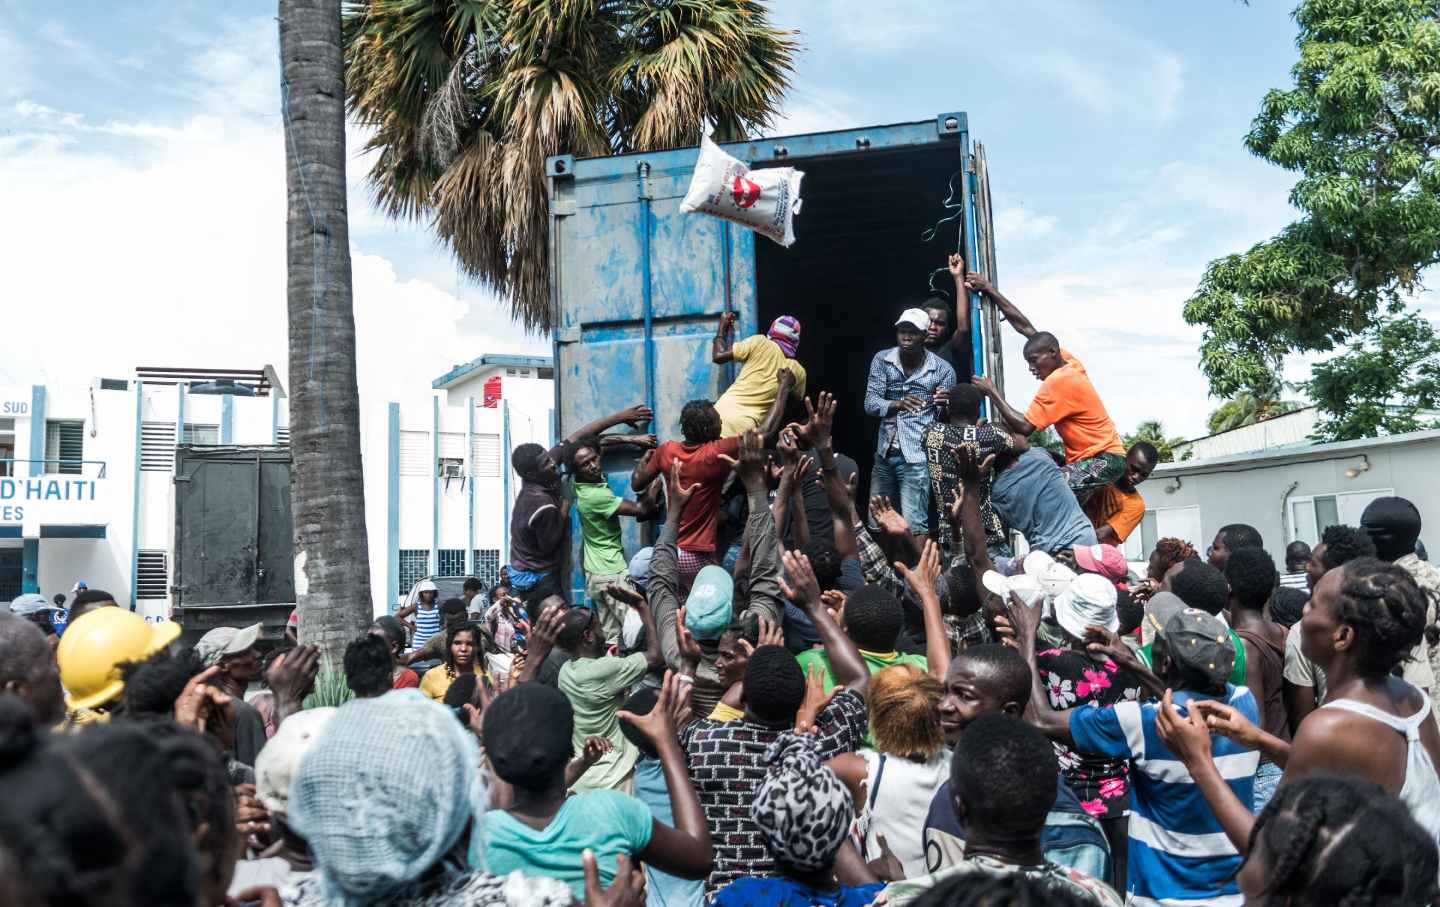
(745, 193)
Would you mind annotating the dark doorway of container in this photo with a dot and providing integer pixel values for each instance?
(857, 262)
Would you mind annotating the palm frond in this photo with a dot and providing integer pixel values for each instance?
(467, 98)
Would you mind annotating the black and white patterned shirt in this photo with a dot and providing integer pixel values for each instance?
(727, 763)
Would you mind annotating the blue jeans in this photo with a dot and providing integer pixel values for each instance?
(1267, 781)
(907, 485)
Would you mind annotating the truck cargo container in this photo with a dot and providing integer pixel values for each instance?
(637, 287)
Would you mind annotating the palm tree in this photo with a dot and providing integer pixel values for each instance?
(332, 576)
(467, 98)
(1246, 408)
(1152, 431)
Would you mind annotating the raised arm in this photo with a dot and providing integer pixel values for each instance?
(644, 472)
(761, 543)
(720, 352)
(663, 590)
(819, 430)
(846, 665)
(978, 284)
(1025, 621)
(962, 303)
(922, 580)
(775, 417)
(685, 849)
(1012, 417)
(639, 416)
(964, 510)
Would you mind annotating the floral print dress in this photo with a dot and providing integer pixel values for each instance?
(1073, 679)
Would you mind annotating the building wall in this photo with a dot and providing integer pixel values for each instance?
(1266, 492)
(109, 450)
(432, 515)
(1291, 428)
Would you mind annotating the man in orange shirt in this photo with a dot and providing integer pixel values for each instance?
(1118, 508)
(1094, 454)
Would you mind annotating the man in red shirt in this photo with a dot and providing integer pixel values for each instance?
(1094, 453)
(701, 457)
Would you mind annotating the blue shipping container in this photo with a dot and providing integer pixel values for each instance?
(638, 287)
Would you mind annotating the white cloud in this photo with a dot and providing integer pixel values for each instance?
(162, 240)
(1018, 223)
(806, 111)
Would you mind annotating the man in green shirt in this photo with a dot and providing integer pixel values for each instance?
(600, 509)
(596, 684)
(872, 619)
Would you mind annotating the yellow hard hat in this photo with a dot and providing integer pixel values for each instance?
(93, 648)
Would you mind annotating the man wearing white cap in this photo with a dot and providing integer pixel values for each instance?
(902, 393)
(233, 651)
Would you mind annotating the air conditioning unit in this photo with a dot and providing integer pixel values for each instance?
(452, 470)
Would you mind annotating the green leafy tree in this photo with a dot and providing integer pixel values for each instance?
(1246, 408)
(467, 98)
(1360, 125)
(1048, 439)
(1383, 384)
(1152, 431)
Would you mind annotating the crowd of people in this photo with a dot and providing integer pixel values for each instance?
(952, 690)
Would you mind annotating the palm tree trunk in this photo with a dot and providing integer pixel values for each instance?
(332, 575)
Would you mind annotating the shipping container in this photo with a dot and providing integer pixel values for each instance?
(637, 287)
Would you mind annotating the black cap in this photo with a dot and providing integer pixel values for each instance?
(527, 734)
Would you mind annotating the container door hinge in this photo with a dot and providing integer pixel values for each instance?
(567, 335)
(562, 207)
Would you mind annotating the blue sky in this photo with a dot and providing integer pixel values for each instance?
(141, 173)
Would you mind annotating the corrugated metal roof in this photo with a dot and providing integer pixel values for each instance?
(1298, 453)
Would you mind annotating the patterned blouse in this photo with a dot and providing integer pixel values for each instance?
(1074, 679)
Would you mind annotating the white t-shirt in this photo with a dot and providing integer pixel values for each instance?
(898, 793)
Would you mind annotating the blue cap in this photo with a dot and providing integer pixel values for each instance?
(708, 610)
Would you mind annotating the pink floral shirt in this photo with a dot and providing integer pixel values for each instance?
(1074, 679)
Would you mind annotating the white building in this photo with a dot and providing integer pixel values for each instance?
(1290, 492)
(86, 490)
(438, 483)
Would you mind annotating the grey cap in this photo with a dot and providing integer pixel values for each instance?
(223, 641)
(1158, 610)
(1200, 644)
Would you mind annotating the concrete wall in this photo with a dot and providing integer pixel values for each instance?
(110, 430)
(1263, 490)
(432, 513)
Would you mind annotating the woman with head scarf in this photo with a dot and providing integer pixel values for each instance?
(386, 798)
(803, 811)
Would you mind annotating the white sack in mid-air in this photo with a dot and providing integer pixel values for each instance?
(766, 201)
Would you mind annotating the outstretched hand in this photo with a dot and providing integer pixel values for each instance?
(292, 676)
(689, 648)
(1186, 735)
(657, 724)
(815, 701)
(680, 493)
(970, 467)
(887, 517)
(956, 266)
(1025, 621)
(627, 889)
(805, 591)
(924, 575)
(750, 466)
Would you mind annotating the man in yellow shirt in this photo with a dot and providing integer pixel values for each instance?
(762, 377)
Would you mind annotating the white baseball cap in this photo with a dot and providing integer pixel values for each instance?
(916, 318)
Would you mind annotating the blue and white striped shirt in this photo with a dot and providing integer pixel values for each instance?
(1179, 853)
(427, 624)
